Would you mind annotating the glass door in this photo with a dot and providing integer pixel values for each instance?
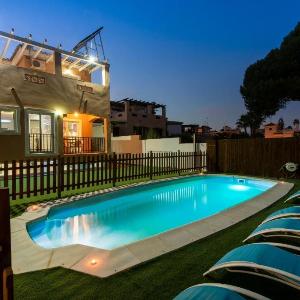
(73, 142)
(40, 129)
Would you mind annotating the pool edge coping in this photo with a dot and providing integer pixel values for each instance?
(28, 256)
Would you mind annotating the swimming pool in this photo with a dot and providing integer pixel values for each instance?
(122, 217)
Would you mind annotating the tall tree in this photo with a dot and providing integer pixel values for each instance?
(243, 122)
(273, 81)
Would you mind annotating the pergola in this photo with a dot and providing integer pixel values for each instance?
(140, 102)
(69, 60)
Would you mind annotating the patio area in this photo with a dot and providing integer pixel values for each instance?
(160, 274)
(28, 256)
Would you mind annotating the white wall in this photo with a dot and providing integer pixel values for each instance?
(133, 144)
(169, 145)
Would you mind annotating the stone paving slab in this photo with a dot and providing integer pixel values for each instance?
(106, 262)
(28, 256)
(68, 256)
(149, 249)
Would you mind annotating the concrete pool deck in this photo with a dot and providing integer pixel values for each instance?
(28, 256)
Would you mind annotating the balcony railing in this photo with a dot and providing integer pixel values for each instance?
(44, 143)
(77, 145)
(41, 143)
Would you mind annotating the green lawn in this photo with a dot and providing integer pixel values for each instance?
(161, 278)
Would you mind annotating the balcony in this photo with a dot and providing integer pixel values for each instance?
(41, 143)
(79, 145)
(45, 143)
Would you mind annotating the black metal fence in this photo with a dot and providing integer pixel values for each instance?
(27, 178)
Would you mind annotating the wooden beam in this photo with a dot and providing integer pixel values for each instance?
(5, 48)
(95, 69)
(75, 62)
(19, 55)
(37, 52)
(50, 58)
(6, 273)
(65, 58)
(84, 66)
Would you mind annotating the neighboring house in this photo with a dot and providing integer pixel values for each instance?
(204, 130)
(205, 133)
(272, 132)
(174, 128)
(48, 102)
(136, 117)
(190, 128)
(228, 131)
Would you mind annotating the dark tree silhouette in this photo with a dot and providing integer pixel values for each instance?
(280, 124)
(273, 81)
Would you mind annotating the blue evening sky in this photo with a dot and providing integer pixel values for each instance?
(189, 55)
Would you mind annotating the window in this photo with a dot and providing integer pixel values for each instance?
(72, 128)
(40, 131)
(8, 120)
(40, 123)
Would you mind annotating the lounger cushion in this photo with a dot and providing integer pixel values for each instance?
(278, 228)
(208, 292)
(293, 196)
(282, 213)
(292, 224)
(261, 255)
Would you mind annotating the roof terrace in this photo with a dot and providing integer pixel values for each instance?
(27, 53)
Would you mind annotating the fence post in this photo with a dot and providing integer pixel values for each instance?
(217, 156)
(114, 169)
(195, 158)
(178, 162)
(60, 173)
(194, 142)
(151, 165)
(6, 273)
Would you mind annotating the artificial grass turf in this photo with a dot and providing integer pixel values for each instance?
(162, 278)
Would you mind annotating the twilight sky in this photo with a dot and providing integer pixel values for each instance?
(190, 55)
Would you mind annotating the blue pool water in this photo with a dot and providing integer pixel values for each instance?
(115, 219)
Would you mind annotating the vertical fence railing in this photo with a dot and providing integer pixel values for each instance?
(58, 174)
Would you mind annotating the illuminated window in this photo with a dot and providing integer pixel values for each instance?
(72, 128)
(8, 120)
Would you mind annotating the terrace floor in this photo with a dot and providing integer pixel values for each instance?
(162, 277)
